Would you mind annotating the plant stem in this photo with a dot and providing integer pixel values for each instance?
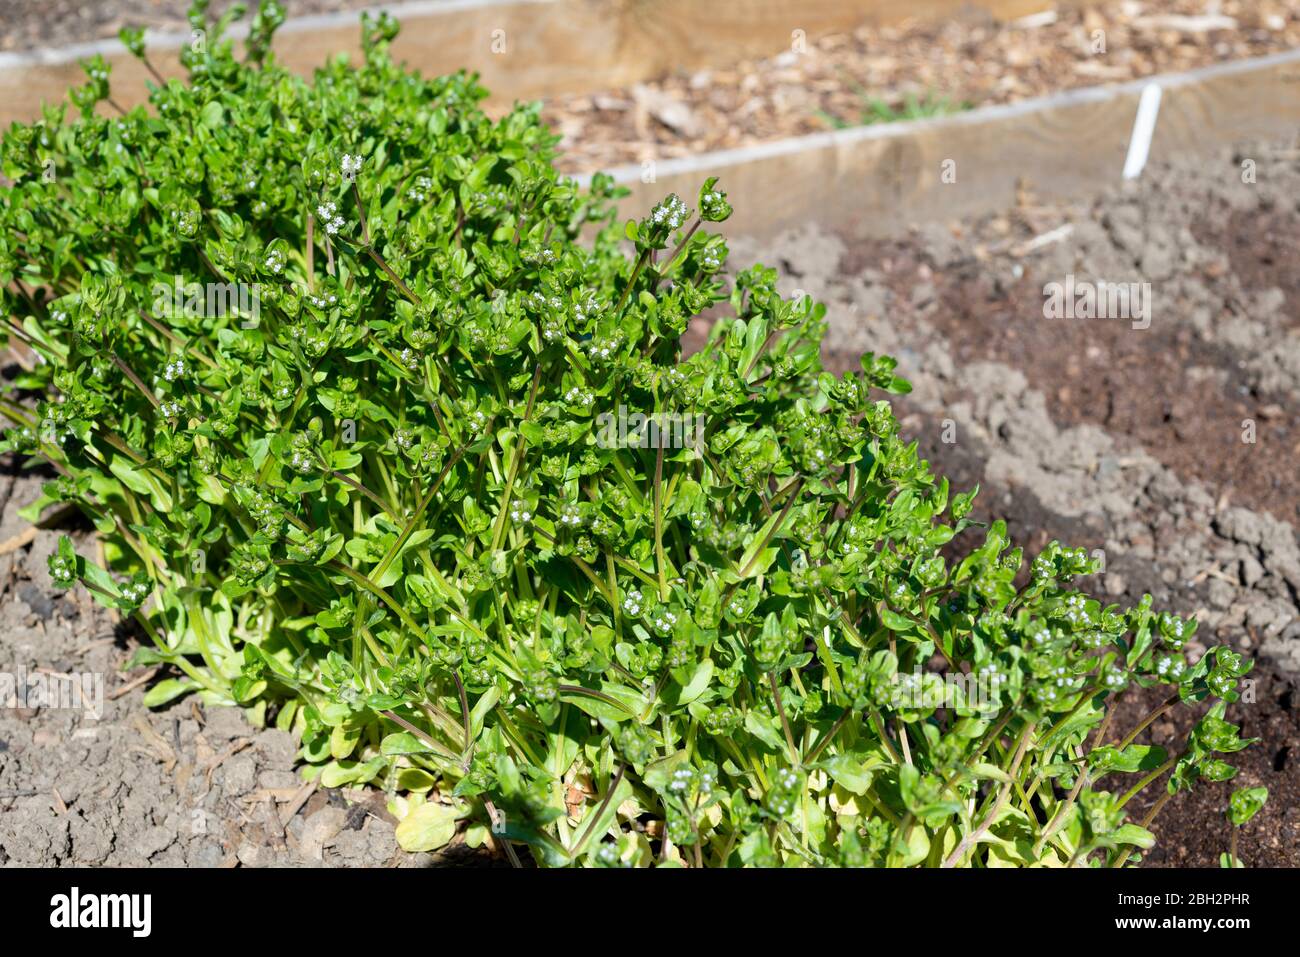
(1155, 712)
(970, 839)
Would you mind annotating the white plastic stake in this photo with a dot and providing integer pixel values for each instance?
(1144, 127)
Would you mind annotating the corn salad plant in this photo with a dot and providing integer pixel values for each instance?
(372, 494)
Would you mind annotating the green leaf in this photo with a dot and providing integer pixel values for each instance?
(1245, 803)
(169, 689)
(427, 828)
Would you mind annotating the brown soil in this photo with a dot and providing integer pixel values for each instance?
(1140, 384)
(1179, 389)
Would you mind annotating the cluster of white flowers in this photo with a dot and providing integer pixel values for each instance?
(135, 592)
(174, 370)
(1115, 679)
(350, 165)
(283, 391)
(1077, 614)
(710, 261)
(990, 675)
(323, 302)
(552, 330)
(477, 421)
(300, 461)
(328, 214)
(664, 621)
(403, 439)
(519, 513)
(541, 302)
(671, 212)
(570, 515)
(633, 604)
(1170, 667)
(62, 571)
(736, 607)
(58, 315)
(586, 306)
(274, 261)
(1062, 676)
(603, 348)
(680, 782)
(171, 409)
(577, 396)
(420, 191)
(1092, 638)
(186, 221)
(705, 781)
(409, 358)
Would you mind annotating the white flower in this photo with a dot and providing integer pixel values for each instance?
(327, 213)
(670, 212)
(632, 604)
(420, 191)
(519, 513)
(351, 165)
(174, 370)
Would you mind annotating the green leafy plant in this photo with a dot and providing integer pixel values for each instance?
(1244, 804)
(381, 500)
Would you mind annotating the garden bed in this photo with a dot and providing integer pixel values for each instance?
(1094, 433)
(1123, 439)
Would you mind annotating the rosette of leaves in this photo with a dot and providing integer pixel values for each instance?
(379, 503)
